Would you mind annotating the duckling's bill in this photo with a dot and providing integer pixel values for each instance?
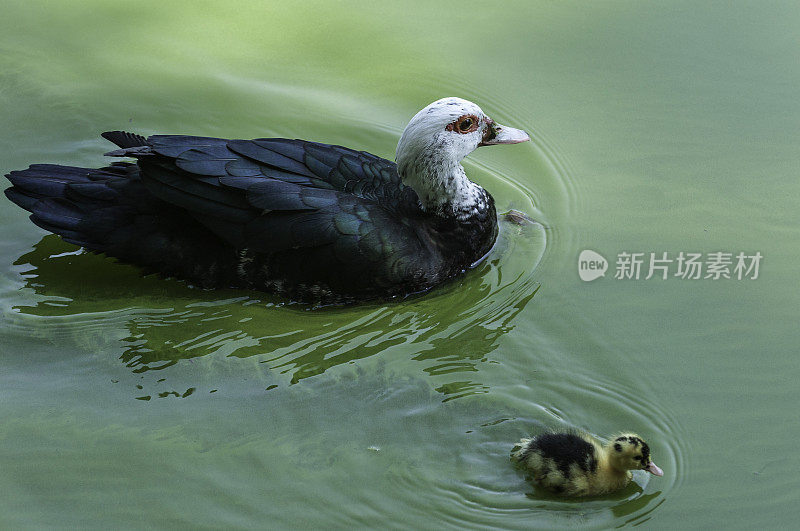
(653, 469)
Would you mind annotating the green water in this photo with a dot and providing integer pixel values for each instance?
(132, 401)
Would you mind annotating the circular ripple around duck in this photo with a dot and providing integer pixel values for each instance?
(578, 402)
(469, 480)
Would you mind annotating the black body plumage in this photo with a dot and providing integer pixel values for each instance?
(565, 449)
(314, 222)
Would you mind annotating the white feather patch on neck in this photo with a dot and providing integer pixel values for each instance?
(429, 159)
(444, 187)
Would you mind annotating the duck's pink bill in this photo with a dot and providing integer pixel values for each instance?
(653, 469)
(506, 135)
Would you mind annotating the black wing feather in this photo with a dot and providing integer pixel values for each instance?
(318, 213)
(209, 160)
(199, 196)
(260, 151)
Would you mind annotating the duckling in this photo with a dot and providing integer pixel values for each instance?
(578, 465)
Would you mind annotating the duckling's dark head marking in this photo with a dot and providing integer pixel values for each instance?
(645, 452)
(632, 453)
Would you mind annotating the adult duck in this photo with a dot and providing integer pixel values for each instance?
(313, 222)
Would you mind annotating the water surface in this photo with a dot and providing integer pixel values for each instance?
(135, 401)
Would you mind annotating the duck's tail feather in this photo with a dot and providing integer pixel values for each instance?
(109, 210)
(82, 205)
(124, 139)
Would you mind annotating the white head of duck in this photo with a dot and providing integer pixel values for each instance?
(432, 146)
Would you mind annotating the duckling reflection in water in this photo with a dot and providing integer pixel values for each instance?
(578, 465)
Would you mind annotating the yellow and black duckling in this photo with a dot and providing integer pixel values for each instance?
(577, 465)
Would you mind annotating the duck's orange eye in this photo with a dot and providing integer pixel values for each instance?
(465, 124)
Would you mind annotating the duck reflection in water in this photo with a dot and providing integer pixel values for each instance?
(164, 322)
